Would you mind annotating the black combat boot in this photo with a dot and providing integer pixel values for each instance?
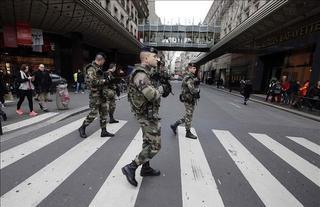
(146, 170)
(82, 131)
(105, 133)
(112, 120)
(130, 172)
(174, 127)
(190, 135)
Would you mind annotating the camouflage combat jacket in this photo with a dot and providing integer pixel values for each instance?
(188, 87)
(143, 96)
(94, 77)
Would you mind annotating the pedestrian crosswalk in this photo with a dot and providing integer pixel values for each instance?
(198, 185)
(306, 168)
(261, 180)
(306, 143)
(198, 182)
(27, 122)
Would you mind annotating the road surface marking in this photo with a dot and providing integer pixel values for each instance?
(116, 191)
(27, 122)
(198, 185)
(38, 186)
(307, 144)
(233, 104)
(303, 166)
(18, 152)
(267, 187)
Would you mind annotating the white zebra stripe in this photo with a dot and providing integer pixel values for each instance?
(267, 187)
(16, 153)
(198, 184)
(307, 144)
(27, 122)
(37, 187)
(116, 191)
(309, 170)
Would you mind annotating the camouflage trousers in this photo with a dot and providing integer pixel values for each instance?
(151, 132)
(97, 105)
(187, 119)
(111, 94)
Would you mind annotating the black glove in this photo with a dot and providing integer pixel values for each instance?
(197, 95)
(166, 90)
(196, 82)
(106, 82)
(118, 91)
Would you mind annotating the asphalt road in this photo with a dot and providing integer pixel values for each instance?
(251, 155)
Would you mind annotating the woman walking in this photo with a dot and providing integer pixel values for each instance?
(25, 89)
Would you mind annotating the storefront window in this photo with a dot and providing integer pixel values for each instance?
(298, 66)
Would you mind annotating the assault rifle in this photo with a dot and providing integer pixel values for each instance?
(113, 80)
(164, 79)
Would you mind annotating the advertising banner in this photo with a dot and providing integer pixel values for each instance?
(24, 36)
(9, 36)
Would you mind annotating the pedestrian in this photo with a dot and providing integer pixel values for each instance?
(144, 99)
(25, 89)
(189, 96)
(110, 91)
(3, 89)
(3, 115)
(313, 96)
(75, 79)
(295, 92)
(276, 96)
(80, 82)
(97, 102)
(270, 91)
(42, 84)
(285, 90)
(247, 90)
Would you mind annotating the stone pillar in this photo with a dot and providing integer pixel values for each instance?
(315, 73)
(115, 55)
(57, 56)
(77, 57)
(258, 75)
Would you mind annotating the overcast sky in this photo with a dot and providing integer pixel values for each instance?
(184, 11)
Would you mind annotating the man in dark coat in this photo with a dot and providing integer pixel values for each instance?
(247, 90)
(42, 84)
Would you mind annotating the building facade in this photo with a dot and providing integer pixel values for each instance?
(289, 50)
(66, 35)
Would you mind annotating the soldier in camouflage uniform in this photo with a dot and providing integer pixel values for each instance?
(144, 100)
(97, 102)
(189, 96)
(110, 92)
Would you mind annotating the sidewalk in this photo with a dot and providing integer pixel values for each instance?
(260, 98)
(78, 103)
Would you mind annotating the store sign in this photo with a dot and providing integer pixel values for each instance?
(37, 40)
(290, 34)
(37, 37)
(24, 36)
(9, 36)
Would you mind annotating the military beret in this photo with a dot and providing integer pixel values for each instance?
(149, 49)
(192, 65)
(101, 54)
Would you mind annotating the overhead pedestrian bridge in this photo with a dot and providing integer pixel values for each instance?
(178, 37)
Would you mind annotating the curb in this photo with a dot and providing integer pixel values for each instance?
(60, 117)
(305, 115)
(76, 112)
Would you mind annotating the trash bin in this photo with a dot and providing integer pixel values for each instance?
(62, 95)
